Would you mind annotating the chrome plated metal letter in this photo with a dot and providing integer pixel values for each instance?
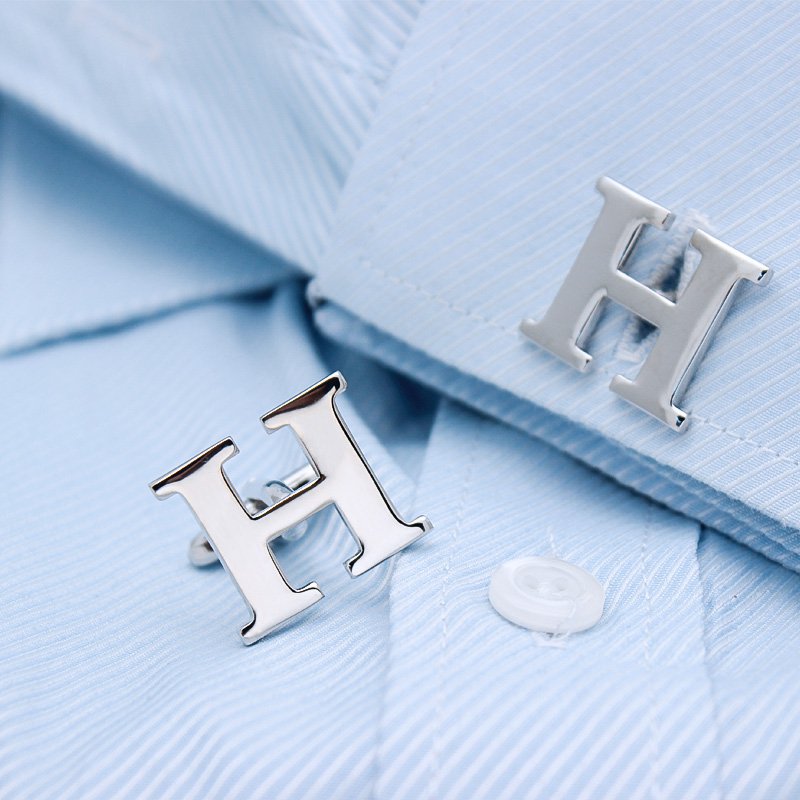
(685, 326)
(341, 477)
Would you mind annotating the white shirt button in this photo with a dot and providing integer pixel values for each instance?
(547, 595)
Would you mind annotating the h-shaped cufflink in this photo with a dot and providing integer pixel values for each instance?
(238, 532)
(685, 325)
(257, 496)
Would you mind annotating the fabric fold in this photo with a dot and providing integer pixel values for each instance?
(122, 668)
(250, 113)
(474, 192)
(651, 700)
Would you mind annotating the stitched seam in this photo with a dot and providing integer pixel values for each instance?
(712, 690)
(695, 418)
(436, 750)
(383, 202)
(116, 28)
(381, 736)
(557, 640)
(386, 678)
(551, 540)
(411, 141)
(325, 55)
(700, 507)
(655, 754)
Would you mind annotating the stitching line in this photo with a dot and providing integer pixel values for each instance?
(382, 202)
(653, 728)
(712, 691)
(485, 321)
(695, 418)
(411, 141)
(380, 740)
(556, 640)
(436, 750)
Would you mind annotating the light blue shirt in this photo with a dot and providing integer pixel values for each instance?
(175, 187)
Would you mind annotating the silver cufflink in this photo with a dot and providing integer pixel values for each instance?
(257, 496)
(685, 325)
(238, 532)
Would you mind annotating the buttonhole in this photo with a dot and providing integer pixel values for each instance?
(665, 262)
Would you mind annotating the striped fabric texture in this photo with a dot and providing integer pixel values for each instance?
(121, 667)
(94, 269)
(122, 671)
(249, 112)
(172, 177)
(644, 704)
(474, 192)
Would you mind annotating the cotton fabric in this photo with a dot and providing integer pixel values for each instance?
(203, 213)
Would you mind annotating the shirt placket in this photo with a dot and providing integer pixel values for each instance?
(476, 706)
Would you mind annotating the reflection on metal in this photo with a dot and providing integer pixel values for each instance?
(685, 325)
(338, 474)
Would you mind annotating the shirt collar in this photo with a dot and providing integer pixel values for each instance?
(155, 160)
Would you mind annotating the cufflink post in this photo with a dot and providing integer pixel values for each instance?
(258, 497)
(337, 475)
